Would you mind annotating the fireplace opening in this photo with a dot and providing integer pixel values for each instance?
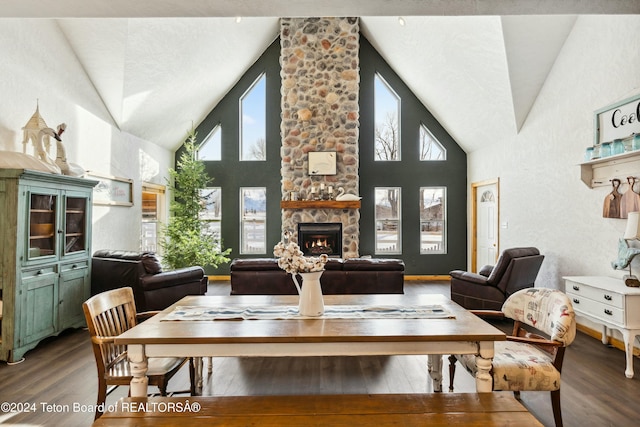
(320, 238)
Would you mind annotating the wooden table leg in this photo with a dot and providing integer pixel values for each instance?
(198, 362)
(138, 365)
(484, 359)
(434, 366)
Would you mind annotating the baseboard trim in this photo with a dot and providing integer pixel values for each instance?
(426, 278)
(614, 342)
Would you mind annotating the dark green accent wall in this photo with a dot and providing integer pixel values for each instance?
(230, 173)
(410, 173)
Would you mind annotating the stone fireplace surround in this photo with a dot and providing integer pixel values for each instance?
(320, 112)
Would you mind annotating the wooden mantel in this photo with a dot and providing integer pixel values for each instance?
(319, 204)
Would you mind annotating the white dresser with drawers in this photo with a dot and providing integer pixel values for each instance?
(608, 301)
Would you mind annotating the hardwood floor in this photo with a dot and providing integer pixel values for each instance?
(61, 371)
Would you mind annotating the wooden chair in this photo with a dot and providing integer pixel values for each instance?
(109, 314)
(528, 361)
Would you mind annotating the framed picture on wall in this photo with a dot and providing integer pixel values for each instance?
(322, 163)
(112, 190)
(617, 121)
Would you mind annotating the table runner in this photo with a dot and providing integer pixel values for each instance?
(291, 312)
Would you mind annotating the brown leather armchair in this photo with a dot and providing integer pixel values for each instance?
(517, 268)
(153, 288)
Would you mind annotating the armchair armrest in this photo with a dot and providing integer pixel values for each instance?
(468, 277)
(535, 341)
(486, 270)
(172, 278)
(493, 314)
(544, 344)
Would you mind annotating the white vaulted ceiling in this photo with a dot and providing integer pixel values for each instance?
(477, 65)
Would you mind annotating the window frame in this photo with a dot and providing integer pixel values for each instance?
(394, 93)
(241, 147)
(398, 220)
(243, 242)
(208, 220)
(217, 129)
(443, 246)
(443, 149)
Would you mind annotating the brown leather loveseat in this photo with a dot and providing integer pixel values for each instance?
(153, 288)
(262, 276)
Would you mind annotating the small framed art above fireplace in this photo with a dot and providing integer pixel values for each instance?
(315, 238)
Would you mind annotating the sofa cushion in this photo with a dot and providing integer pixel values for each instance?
(254, 264)
(518, 366)
(149, 260)
(373, 264)
(505, 258)
(151, 263)
(334, 264)
(118, 254)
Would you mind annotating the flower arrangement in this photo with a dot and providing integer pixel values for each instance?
(292, 260)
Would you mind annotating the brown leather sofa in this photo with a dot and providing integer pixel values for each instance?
(262, 276)
(516, 268)
(153, 288)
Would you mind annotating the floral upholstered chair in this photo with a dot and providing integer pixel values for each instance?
(528, 361)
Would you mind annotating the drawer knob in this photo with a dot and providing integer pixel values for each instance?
(576, 287)
(608, 312)
(576, 301)
(607, 297)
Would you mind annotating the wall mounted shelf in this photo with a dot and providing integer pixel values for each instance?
(600, 172)
(319, 204)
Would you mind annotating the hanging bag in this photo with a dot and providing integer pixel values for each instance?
(630, 201)
(611, 208)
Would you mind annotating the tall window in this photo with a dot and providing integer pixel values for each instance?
(430, 147)
(153, 201)
(210, 149)
(212, 216)
(432, 220)
(387, 121)
(388, 220)
(253, 121)
(253, 227)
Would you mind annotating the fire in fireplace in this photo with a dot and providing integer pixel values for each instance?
(320, 238)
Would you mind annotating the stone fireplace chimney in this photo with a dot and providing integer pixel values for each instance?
(320, 88)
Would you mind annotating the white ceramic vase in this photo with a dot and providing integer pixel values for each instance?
(311, 301)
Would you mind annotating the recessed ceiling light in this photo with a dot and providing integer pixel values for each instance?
(238, 19)
(401, 21)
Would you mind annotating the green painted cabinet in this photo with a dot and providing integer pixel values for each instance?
(45, 269)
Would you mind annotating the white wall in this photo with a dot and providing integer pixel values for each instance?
(541, 195)
(39, 66)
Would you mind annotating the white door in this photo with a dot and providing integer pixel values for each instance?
(486, 226)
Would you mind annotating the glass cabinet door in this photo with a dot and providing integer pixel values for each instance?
(75, 232)
(42, 225)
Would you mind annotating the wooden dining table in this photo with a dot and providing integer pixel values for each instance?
(460, 332)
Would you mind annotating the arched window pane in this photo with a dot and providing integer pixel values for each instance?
(387, 120)
(210, 147)
(253, 122)
(430, 147)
